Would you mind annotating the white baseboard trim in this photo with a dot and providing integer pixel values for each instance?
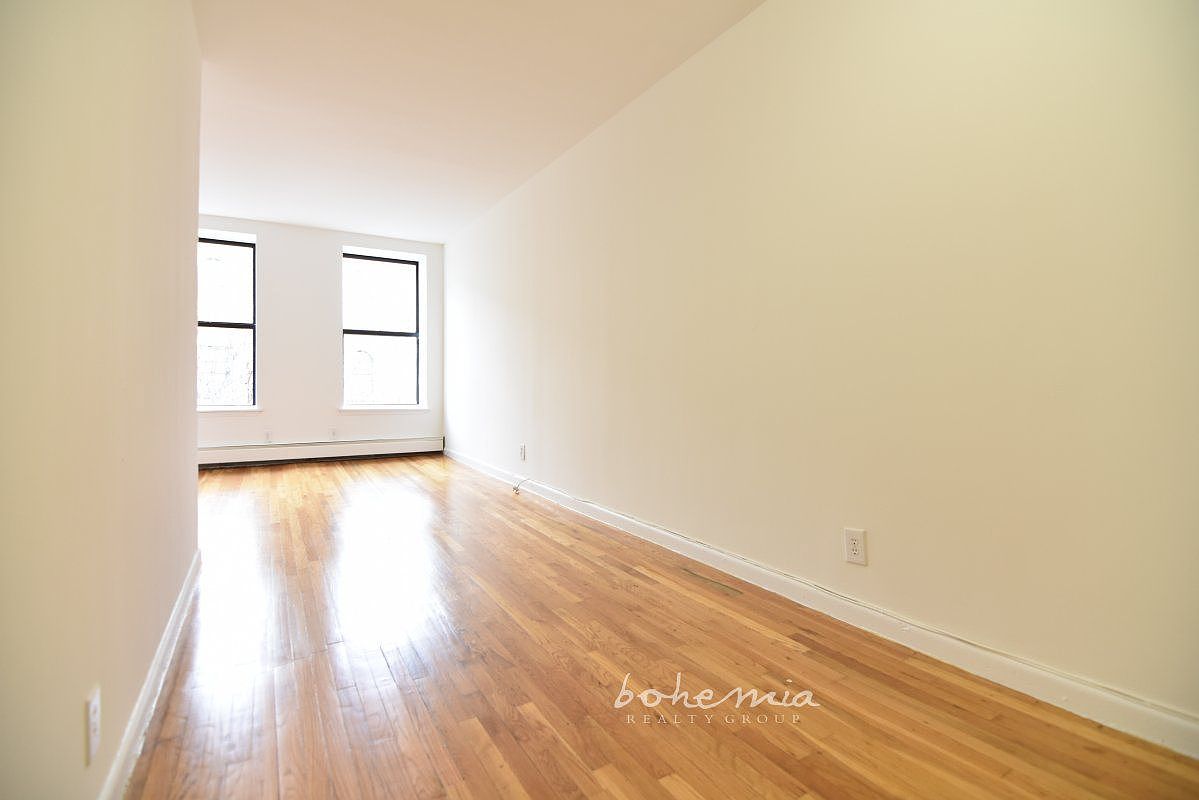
(1170, 727)
(143, 710)
(234, 454)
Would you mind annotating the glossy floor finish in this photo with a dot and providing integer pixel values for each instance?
(410, 628)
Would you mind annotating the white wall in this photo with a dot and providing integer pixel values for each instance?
(100, 103)
(924, 268)
(299, 351)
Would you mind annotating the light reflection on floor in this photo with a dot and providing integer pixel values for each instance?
(266, 556)
(233, 611)
(382, 573)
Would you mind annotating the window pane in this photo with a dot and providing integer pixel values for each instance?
(225, 361)
(380, 370)
(225, 282)
(378, 295)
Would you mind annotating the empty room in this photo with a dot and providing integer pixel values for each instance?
(577, 399)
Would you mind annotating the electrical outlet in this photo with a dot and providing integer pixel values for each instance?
(267, 436)
(523, 452)
(855, 546)
(333, 434)
(93, 724)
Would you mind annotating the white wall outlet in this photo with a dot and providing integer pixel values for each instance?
(523, 452)
(267, 436)
(333, 434)
(93, 724)
(855, 546)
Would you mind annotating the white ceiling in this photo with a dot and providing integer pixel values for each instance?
(409, 118)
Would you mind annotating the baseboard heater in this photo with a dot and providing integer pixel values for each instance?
(248, 454)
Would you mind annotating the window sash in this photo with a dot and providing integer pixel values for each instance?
(250, 326)
(414, 334)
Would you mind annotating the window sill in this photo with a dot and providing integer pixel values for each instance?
(384, 408)
(228, 409)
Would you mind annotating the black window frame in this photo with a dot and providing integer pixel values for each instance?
(416, 333)
(252, 325)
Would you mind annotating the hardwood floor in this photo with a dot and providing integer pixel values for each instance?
(410, 628)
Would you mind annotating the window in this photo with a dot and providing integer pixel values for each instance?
(380, 318)
(226, 338)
